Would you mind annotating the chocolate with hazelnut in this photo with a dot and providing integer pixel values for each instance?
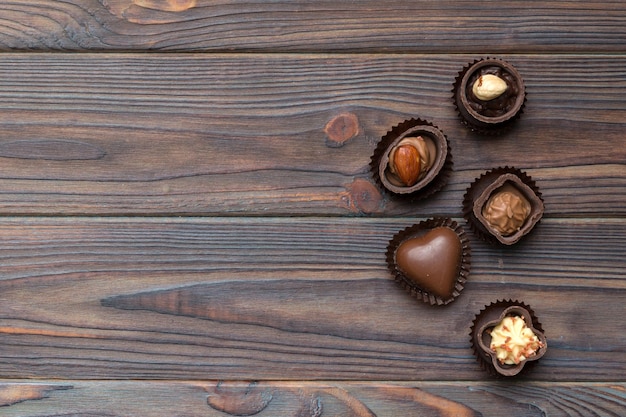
(413, 159)
(489, 87)
(489, 95)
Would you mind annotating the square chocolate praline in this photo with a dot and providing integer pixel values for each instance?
(479, 193)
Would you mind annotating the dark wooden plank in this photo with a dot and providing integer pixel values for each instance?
(289, 299)
(287, 134)
(365, 26)
(318, 399)
(158, 315)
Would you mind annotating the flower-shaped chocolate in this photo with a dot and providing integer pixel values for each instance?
(510, 341)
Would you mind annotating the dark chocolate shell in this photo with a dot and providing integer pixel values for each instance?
(492, 117)
(480, 191)
(480, 337)
(437, 175)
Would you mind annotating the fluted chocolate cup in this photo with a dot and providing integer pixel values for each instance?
(481, 340)
(503, 205)
(430, 177)
(431, 260)
(488, 105)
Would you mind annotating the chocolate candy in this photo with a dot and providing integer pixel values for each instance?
(506, 210)
(483, 104)
(431, 260)
(412, 159)
(503, 205)
(481, 337)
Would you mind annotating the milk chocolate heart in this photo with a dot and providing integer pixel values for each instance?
(432, 261)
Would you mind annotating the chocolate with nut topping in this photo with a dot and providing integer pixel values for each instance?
(489, 95)
(513, 341)
(497, 106)
(412, 159)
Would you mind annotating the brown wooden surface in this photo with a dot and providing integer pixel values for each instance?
(335, 26)
(289, 299)
(265, 399)
(253, 135)
(176, 225)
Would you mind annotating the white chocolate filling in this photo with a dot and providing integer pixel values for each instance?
(513, 341)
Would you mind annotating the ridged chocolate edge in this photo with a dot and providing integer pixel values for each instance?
(496, 129)
(477, 228)
(484, 360)
(435, 185)
(415, 230)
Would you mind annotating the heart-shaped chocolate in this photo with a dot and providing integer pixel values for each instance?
(432, 261)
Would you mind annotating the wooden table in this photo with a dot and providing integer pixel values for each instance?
(189, 226)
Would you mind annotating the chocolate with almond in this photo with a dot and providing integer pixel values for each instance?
(412, 159)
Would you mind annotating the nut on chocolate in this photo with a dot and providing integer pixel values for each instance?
(394, 163)
(409, 160)
(488, 87)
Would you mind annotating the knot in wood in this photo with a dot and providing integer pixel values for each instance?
(340, 129)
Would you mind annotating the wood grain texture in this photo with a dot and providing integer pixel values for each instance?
(365, 26)
(314, 399)
(195, 232)
(296, 299)
(288, 134)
